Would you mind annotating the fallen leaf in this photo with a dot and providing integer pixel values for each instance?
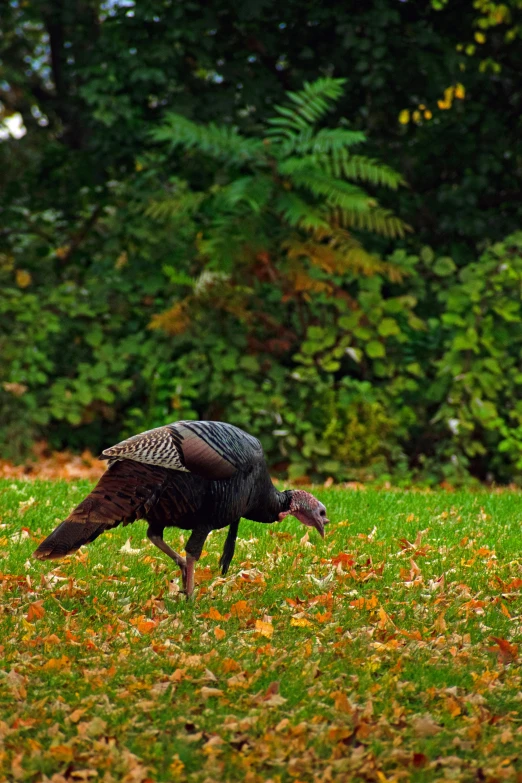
(126, 549)
(425, 726)
(75, 716)
(300, 622)
(341, 702)
(219, 633)
(440, 623)
(506, 652)
(145, 626)
(35, 611)
(265, 629)
(209, 693)
(241, 609)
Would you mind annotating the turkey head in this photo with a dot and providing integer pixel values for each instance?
(308, 510)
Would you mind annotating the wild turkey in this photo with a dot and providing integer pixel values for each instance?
(194, 475)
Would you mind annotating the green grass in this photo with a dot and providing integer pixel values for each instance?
(377, 663)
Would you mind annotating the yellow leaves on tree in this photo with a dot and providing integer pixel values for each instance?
(175, 320)
(23, 278)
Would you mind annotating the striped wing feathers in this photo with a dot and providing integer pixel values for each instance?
(211, 449)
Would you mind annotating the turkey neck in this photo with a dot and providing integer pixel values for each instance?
(268, 503)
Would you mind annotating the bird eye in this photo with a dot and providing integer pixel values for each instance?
(323, 512)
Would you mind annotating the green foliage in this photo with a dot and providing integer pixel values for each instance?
(297, 179)
(480, 366)
(258, 234)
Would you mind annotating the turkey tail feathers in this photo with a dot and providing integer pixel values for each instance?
(68, 538)
(127, 491)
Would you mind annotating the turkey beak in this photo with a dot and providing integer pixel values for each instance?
(319, 523)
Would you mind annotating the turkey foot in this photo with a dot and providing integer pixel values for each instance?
(157, 540)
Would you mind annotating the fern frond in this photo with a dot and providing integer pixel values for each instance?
(307, 107)
(219, 141)
(377, 220)
(314, 100)
(186, 203)
(288, 123)
(322, 142)
(341, 164)
(298, 214)
(334, 192)
(254, 191)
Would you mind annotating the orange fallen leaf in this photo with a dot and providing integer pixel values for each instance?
(35, 611)
(56, 663)
(240, 609)
(440, 623)
(145, 626)
(230, 665)
(61, 752)
(219, 633)
(341, 702)
(344, 558)
(506, 651)
(323, 618)
(213, 614)
(265, 629)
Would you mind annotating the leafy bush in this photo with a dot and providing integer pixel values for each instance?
(240, 292)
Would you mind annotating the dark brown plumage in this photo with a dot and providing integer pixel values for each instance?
(194, 475)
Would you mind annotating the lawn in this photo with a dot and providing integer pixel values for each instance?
(386, 652)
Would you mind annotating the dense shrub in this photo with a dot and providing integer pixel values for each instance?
(177, 240)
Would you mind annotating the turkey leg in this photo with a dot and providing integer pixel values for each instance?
(157, 539)
(228, 549)
(193, 548)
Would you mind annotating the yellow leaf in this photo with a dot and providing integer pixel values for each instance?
(23, 278)
(219, 633)
(480, 38)
(416, 116)
(61, 752)
(404, 117)
(176, 766)
(460, 91)
(265, 629)
(300, 622)
(62, 252)
(428, 115)
(122, 260)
